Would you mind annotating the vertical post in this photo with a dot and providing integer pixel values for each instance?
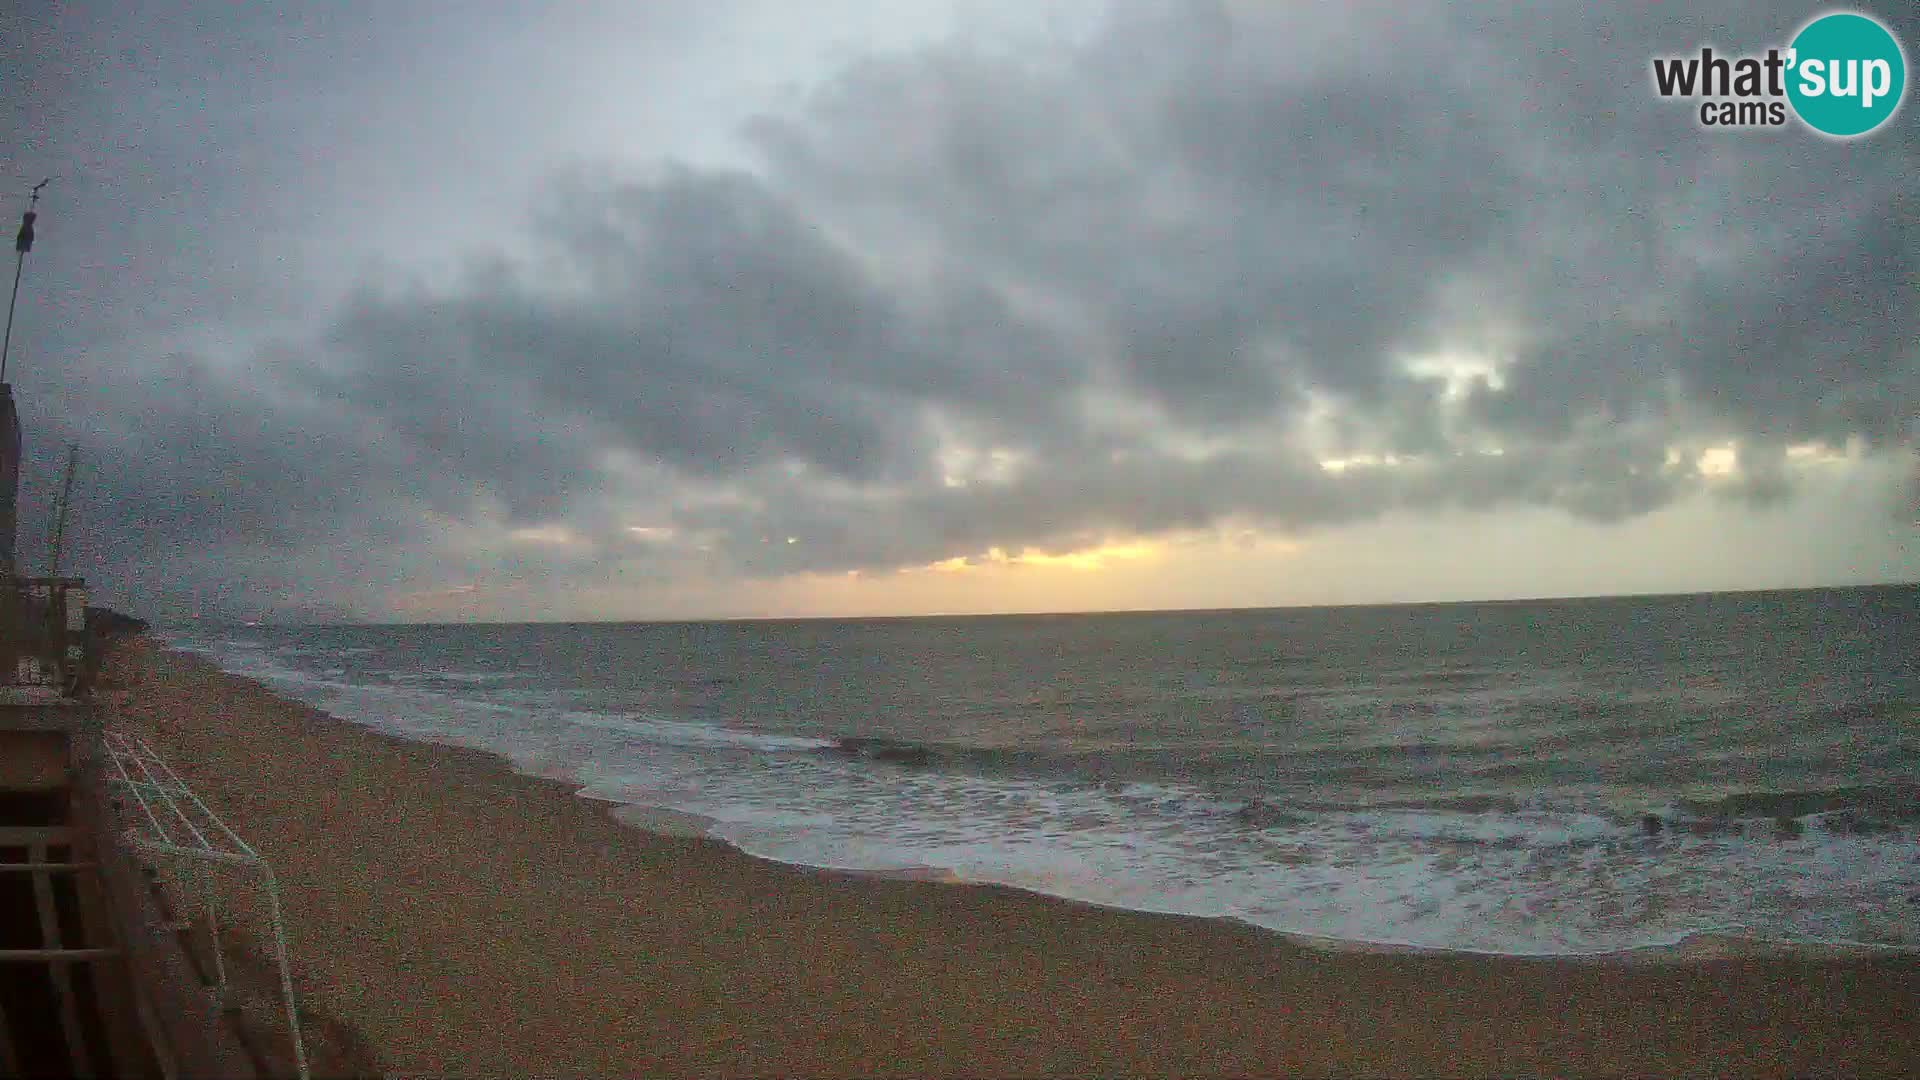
(57, 532)
(204, 878)
(280, 957)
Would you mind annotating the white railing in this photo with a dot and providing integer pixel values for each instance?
(162, 816)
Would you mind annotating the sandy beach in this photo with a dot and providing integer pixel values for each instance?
(449, 916)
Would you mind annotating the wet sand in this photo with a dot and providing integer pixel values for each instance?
(460, 918)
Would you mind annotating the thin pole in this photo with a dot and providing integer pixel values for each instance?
(20, 247)
(58, 538)
(19, 264)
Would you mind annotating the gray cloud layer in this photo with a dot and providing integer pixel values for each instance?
(1150, 269)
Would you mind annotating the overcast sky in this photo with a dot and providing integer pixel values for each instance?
(403, 310)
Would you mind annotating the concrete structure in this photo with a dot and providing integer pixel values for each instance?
(9, 480)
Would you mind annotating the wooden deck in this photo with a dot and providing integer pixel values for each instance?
(96, 978)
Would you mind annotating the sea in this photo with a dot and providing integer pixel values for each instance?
(1530, 777)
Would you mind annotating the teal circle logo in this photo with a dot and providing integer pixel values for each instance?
(1846, 74)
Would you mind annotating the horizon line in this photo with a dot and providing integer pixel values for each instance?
(1087, 612)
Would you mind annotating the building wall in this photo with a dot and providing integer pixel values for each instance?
(9, 478)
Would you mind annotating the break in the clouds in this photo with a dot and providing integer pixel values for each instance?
(1180, 269)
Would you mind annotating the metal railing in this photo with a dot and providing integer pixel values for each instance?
(162, 816)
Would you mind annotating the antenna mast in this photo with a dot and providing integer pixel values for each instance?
(59, 535)
(22, 243)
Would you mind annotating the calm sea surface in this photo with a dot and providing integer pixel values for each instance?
(1530, 777)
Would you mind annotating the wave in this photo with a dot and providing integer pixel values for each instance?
(692, 734)
(1528, 882)
(328, 652)
(1198, 826)
(464, 678)
(1441, 677)
(474, 678)
(1867, 807)
(1128, 770)
(897, 751)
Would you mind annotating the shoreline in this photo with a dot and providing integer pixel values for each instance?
(1686, 947)
(462, 916)
(1692, 947)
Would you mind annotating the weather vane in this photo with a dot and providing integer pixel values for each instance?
(22, 243)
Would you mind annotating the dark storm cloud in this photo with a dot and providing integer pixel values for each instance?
(718, 331)
(1768, 282)
(1085, 502)
(1262, 230)
(1222, 217)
